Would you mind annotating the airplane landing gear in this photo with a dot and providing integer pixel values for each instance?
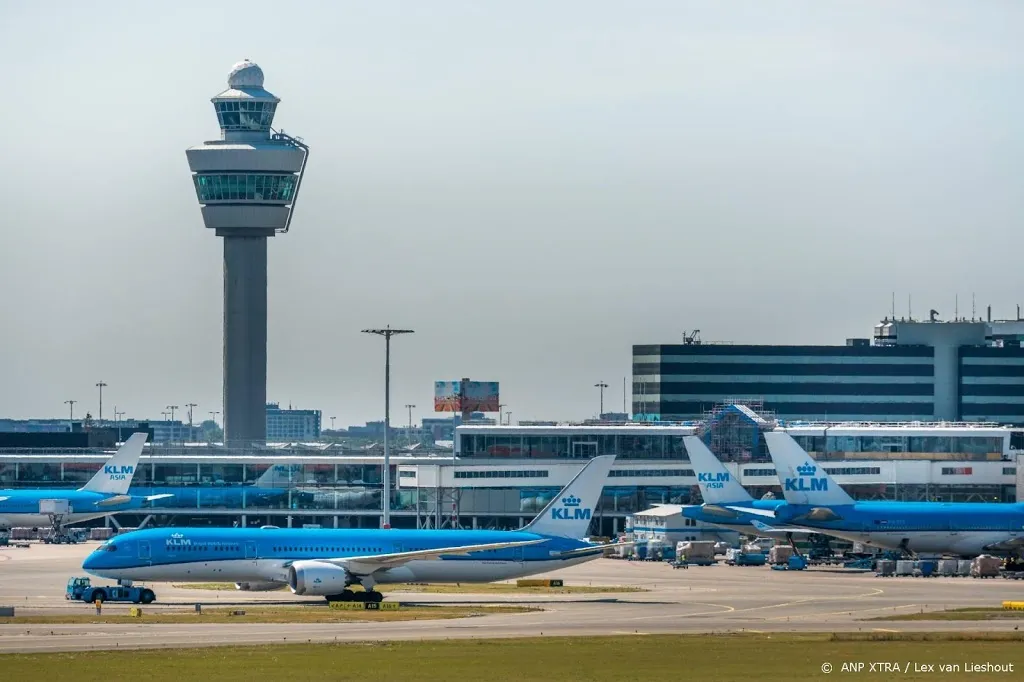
(349, 595)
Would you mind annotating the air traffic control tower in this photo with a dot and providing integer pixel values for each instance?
(247, 183)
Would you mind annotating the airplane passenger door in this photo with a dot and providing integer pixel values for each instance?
(250, 550)
(144, 552)
(517, 554)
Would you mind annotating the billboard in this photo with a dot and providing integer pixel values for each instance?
(466, 396)
(447, 396)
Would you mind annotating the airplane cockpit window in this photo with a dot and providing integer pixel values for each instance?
(108, 547)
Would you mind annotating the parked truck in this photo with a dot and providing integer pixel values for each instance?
(82, 589)
(695, 552)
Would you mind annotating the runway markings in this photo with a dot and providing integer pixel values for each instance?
(845, 611)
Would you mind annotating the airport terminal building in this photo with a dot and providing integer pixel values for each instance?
(501, 476)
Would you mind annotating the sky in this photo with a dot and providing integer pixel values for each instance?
(533, 187)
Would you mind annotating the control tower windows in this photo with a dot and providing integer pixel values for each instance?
(245, 115)
(244, 187)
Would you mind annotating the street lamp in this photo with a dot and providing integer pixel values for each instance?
(100, 386)
(213, 415)
(601, 385)
(387, 333)
(71, 414)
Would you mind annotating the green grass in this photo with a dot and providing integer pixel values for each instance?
(287, 614)
(469, 588)
(969, 613)
(597, 659)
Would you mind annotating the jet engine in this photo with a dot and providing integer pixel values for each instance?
(317, 578)
(257, 587)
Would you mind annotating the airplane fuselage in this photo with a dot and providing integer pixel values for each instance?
(965, 529)
(19, 508)
(264, 554)
(727, 516)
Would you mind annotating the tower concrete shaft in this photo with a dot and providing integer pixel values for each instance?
(247, 184)
(245, 339)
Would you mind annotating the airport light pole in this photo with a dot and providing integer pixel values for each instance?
(508, 418)
(601, 385)
(332, 423)
(71, 414)
(100, 385)
(387, 333)
(165, 415)
(190, 406)
(500, 405)
(172, 408)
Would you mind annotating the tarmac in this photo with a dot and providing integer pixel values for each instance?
(696, 600)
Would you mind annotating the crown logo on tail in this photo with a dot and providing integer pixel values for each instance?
(571, 501)
(807, 469)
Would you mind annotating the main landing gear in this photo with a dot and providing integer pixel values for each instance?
(349, 595)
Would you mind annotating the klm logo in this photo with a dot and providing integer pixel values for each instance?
(118, 473)
(570, 511)
(178, 540)
(806, 484)
(713, 480)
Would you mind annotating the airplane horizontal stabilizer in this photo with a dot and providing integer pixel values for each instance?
(595, 549)
(786, 531)
(751, 510)
(364, 565)
(153, 498)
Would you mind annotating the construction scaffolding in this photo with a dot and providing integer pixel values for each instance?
(733, 429)
(438, 508)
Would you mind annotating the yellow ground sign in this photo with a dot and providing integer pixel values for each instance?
(365, 605)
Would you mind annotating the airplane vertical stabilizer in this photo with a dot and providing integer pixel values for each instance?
(116, 475)
(568, 515)
(717, 485)
(803, 481)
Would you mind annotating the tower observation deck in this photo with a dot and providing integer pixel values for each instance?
(247, 184)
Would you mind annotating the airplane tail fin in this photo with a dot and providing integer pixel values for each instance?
(803, 481)
(116, 475)
(717, 485)
(569, 513)
(277, 476)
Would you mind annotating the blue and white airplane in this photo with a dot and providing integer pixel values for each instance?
(105, 493)
(322, 562)
(267, 491)
(726, 502)
(814, 501)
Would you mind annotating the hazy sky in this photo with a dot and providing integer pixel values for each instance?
(532, 186)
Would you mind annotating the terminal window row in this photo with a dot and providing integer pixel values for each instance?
(538, 473)
(244, 187)
(975, 445)
(629, 473)
(245, 115)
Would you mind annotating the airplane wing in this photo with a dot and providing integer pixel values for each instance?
(791, 530)
(1006, 545)
(364, 565)
(4, 499)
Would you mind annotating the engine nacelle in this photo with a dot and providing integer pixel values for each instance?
(317, 578)
(258, 587)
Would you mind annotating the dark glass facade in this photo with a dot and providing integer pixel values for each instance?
(684, 382)
(992, 384)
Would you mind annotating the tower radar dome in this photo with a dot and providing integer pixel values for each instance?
(245, 74)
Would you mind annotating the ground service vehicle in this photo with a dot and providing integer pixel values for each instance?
(81, 589)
